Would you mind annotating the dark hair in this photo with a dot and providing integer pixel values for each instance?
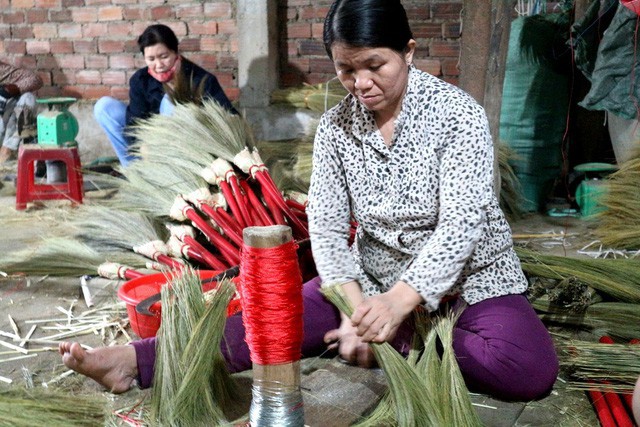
(367, 23)
(158, 33)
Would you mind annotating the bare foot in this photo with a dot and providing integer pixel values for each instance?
(115, 368)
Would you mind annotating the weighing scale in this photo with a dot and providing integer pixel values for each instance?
(57, 126)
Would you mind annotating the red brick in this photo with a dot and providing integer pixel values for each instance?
(300, 64)
(113, 13)
(451, 30)
(95, 92)
(74, 91)
(316, 31)
(185, 11)
(63, 77)
(227, 26)
(292, 48)
(453, 80)
(36, 16)
(71, 61)
(113, 78)
(203, 28)
(135, 13)
(417, 13)
(61, 46)
(95, 62)
(217, 10)
(162, 12)
(21, 4)
(49, 92)
(47, 62)
(97, 2)
(125, 2)
(314, 13)
(27, 61)
(190, 44)
(131, 46)
(299, 31)
(2, 47)
(45, 76)
(85, 46)
(15, 47)
(324, 65)
(120, 29)
(45, 31)
(233, 93)
(291, 3)
(85, 14)
(290, 79)
(315, 78)
(88, 77)
(450, 67)
(49, 3)
(446, 11)
(38, 47)
(444, 48)
(111, 46)
(96, 29)
(180, 28)
(431, 66)
(311, 48)
(120, 62)
(234, 45)
(292, 13)
(426, 30)
(21, 32)
(60, 15)
(72, 3)
(210, 44)
(5, 32)
(13, 18)
(228, 62)
(70, 31)
(206, 61)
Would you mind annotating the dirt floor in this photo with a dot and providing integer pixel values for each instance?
(335, 394)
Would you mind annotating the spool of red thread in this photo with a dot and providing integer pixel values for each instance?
(272, 316)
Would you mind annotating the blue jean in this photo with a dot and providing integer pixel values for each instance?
(502, 347)
(111, 115)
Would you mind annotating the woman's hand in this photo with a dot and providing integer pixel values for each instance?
(377, 318)
(350, 346)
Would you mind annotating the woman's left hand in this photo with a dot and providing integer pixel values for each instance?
(377, 318)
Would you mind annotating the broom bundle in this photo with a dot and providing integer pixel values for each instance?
(191, 383)
(20, 407)
(424, 389)
(618, 278)
(319, 98)
(618, 224)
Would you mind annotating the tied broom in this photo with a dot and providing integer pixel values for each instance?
(412, 403)
(20, 407)
(191, 384)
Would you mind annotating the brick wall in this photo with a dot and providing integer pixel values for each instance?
(435, 25)
(87, 48)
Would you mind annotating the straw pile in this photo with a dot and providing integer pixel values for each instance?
(20, 407)
(618, 225)
(424, 390)
(319, 98)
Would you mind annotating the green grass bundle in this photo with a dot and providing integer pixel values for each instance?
(191, 383)
(413, 404)
(20, 407)
(511, 196)
(319, 98)
(618, 278)
(618, 224)
(591, 363)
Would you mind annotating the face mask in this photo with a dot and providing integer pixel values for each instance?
(167, 75)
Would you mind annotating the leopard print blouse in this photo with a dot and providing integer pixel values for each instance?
(425, 207)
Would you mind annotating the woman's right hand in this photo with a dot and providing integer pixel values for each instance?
(350, 346)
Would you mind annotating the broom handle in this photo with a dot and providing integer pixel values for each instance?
(613, 400)
(228, 251)
(296, 205)
(257, 204)
(229, 229)
(240, 199)
(207, 256)
(168, 261)
(267, 183)
(231, 201)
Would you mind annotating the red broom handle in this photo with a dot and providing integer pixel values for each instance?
(278, 217)
(240, 197)
(231, 201)
(168, 261)
(268, 185)
(208, 257)
(226, 249)
(229, 229)
(296, 205)
(602, 410)
(613, 400)
(257, 204)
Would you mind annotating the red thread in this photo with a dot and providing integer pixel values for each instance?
(272, 303)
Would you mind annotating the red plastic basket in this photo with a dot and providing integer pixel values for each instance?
(134, 291)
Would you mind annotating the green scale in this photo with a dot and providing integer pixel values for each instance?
(593, 186)
(57, 126)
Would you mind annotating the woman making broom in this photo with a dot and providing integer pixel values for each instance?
(159, 45)
(409, 157)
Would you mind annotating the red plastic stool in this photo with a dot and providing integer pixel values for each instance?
(27, 190)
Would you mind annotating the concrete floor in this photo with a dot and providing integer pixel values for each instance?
(335, 394)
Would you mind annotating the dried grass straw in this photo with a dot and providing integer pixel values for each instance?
(319, 98)
(424, 391)
(191, 383)
(20, 407)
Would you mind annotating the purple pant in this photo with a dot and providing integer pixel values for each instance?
(502, 347)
